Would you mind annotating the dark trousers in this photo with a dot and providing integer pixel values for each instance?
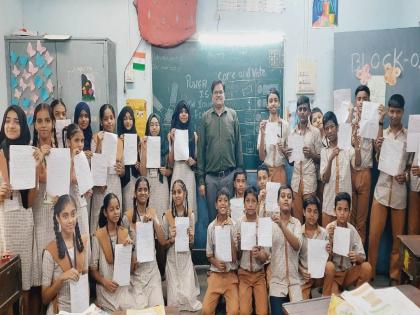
(276, 304)
(213, 184)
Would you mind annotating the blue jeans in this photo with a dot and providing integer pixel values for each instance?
(276, 304)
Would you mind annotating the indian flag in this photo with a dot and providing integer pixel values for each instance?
(139, 60)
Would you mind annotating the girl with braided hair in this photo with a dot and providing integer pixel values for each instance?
(65, 259)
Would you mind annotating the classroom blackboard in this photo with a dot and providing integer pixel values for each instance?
(187, 71)
(399, 47)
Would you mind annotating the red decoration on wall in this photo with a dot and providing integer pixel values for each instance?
(166, 23)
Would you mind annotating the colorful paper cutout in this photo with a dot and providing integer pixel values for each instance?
(13, 57)
(15, 71)
(31, 85)
(26, 103)
(39, 48)
(324, 13)
(30, 50)
(32, 69)
(23, 60)
(26, 75)
(15, 101)
(47, 72)
(34, 97)
(17, 93)
(48, 58)
(39, 60)
(29, 119)
(88, 89)
(44, 94)
(391, 74)
(49, 86)
(38, 81)
(13, 82)
(363, 74)
(22, 84)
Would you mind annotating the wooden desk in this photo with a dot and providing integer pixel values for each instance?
(319, 306)
(10, 282)
(410, 259)
(169, 310)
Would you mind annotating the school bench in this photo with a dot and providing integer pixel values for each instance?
(169, 310)
(410, 259)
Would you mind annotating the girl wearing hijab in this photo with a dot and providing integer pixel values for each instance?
(16, 218)
(83, 119)
(181, 119)
(126, 124)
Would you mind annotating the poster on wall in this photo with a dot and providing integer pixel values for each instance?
(324, 13)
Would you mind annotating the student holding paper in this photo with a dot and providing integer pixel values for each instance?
(262, 179)
(414, 198)
(65, 259)
(182, 120)
(107, 125)
(287, 241)
(83, 119)
(239, 186)
(181, 279)
(390, 191)
(126, 124)
(304, 178)
(251, 273)
(335, 167)
(74, 141)
(273, 154)
(223, 279)
(158, 179)
(353, 268)
(16, 218)
(109, 295)
(146, 278)
(310, 231)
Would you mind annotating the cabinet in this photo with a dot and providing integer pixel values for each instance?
(11, 282)
(40, 70)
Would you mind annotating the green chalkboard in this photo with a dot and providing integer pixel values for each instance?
(186, 72)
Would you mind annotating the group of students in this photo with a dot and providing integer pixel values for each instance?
(59, 238)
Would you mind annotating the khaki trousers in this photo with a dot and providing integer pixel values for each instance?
(326, 219)
(252, 284)
(361, 183)
(277, 175)
(299, 196)
(307, 287)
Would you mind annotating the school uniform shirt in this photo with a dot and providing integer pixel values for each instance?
(306, 170)
(366, 154)
(342, 263)
(285, 278)
(320, 234)
(273, 157)
(247, 262)
(340, 179)
(415, 180)
(211, 244)
(388, 191)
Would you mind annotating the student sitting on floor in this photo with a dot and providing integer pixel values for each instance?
(353, 268)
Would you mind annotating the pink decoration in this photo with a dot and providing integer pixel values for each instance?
(31, 85)
(391, 74)
(34, 97)
(31, 68)
(39, 48)
(15, 71)
(30, 50)
(17, 94)
(48, 58)
(25, 74)
(49, 85)
(22, 84)
(363, 74)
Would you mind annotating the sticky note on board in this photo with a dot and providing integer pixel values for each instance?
(13, 57)
(44, 94)
(39, 60)
(15, 101)
(23, 60)
(38, 81)
(13, 82)
(47, 72)
(26, 103)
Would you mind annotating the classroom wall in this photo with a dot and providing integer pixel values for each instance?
(10, 19)
(116, 19)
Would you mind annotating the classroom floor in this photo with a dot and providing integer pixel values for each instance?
(381, 281)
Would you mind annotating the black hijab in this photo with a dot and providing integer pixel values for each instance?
(24, 139)
(177, 124)
(87, 133)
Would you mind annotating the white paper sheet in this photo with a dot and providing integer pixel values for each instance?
(109, 147)
(59, 126)
(248, 235)
(273, 133)
(413, 133)
(344, 136)
(341, 244)
(342, 104)
(99, 164)
(22, 167)
(153, 152)
(181, 237)
(145, 241)
(271, 202)
(236, 208)
(223, 250)
(58, 172)
(122, 264)
(83, 173)
(377, 87)
(296, 142)
(181, 148)
(391, 157)
(317, 257)
(369, 121)
(265, 232)
(79, 294)
(130, 148)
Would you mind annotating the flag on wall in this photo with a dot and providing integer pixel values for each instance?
(139, 60)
